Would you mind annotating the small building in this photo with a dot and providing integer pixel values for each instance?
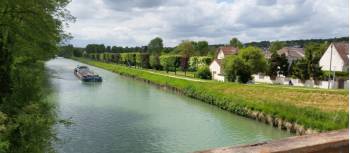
(216, 67)
(339, 53)
(292, 53)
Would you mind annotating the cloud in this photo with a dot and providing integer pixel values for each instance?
(136, 22)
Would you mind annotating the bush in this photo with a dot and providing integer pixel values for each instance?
(170, 62)
(155, 62)
(197, 61)
(203, 72)
(142, 60)
(236, 69)
(338, 74)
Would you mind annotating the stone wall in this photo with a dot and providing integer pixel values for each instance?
(329, 142)
(296, 82)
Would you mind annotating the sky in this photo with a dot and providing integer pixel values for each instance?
(136, 22)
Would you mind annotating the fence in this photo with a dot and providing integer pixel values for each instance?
(338, 84)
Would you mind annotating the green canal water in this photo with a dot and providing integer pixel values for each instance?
(129, 116)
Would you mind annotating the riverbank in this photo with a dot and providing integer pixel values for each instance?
(297, 110)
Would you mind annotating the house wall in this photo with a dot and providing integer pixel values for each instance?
(221, 55)
(337, 61)
(215, 70)
(296, 82)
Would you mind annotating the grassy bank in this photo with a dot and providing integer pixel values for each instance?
(319, 109)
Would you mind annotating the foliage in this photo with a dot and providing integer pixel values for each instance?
(203, 72)
(142, 60)
(277, 64)
(184, 63)
(240, 67)
(300, 70)
(185, 48)
(201, 48)
(169, 62)
(236, 68)
(236, 43)
(314, 108)
(253, 57)
(30, 32)
(66, 51)
(338, 75)
(155, 62)
(95, 48)
(275, 46)
(197, 61)
(128, 58)
(155, 46)
(300, 43)
(273, 66)
(313, 54)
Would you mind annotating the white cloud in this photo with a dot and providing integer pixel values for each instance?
(136, 22)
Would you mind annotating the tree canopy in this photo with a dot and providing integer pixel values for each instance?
(155, 46)
(275, 46)
(236, 43)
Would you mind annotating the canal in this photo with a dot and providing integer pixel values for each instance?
(126, 115)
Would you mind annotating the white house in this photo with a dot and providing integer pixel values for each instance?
(339, 53)
(216, 66)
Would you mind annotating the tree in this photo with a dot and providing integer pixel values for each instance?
(273, 66)
(275, 46)
(254, 57)
(66, 51)
(283, 65)
(114, 49)
(313, 54)
(184, 63)
(154, 62)
(170, 61)
(185, 48)
(235, 68)
(277, 64)
(203, 72)
(155, 46)
(30, 32)
(201, 48)
(142, 60)
(108, 49)
(300, 70)
(236, 43)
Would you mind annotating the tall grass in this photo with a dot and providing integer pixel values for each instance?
(285, 103)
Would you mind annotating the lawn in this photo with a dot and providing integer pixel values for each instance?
(313, 108)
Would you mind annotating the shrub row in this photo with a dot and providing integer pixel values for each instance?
(164, 62)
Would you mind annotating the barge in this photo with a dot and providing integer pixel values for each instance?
(86, 75)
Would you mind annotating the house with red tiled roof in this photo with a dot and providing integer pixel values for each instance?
(336, 57)
(292, 53)
(216, 67)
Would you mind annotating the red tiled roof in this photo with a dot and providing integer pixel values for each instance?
(343, 50)
(228, 50)
(292, 52)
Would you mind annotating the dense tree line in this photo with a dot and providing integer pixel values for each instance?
(30, 32)
(299, 43)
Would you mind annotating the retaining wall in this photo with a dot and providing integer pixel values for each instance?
(329, 142)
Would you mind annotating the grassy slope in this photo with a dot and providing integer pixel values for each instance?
(314, 108)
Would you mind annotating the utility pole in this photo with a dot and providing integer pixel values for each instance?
(330, 67)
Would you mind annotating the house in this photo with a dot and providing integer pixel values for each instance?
(339, 53)
(216, 67)
(292, 53)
